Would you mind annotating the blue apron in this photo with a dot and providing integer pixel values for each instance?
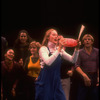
(48, 85)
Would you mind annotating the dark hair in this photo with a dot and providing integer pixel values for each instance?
(29, 39)
(7, 50)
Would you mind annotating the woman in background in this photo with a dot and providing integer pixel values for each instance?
(32, 68)
(11, 74)
(21, 46)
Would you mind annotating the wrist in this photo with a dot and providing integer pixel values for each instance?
(76, 49)
(84, 75)
(59, 49)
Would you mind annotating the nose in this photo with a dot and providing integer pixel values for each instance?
(86, 39)
(12, 54)
(32, 49)
(56, 36)
(23, 37)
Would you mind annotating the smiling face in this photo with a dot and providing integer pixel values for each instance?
(9, 54)
(23, 37)
(53, 37)
(33, 49)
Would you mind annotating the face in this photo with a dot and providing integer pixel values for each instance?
(33, 49)
(10, 54)
(53, 37)
(23, 37)
(87, 42)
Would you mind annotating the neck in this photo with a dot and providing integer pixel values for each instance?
(34, 55)
(51, 45)
(23, 43)
(88, 49)
(8, 62)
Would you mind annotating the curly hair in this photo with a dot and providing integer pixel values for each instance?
(37, 44)
(47, 34)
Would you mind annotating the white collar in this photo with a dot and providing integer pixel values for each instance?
(51, 46)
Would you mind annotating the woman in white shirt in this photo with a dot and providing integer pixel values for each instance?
(48, 85)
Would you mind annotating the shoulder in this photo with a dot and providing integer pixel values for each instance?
(96, 49)
(27, 59)
(43, 48)
(81, 50)
(2, 63)
(3, 40)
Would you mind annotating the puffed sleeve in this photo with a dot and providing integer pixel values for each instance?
(44, 55)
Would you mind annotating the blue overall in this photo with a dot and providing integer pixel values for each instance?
(48, 85)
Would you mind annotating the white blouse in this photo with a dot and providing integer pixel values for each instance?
(45, 59)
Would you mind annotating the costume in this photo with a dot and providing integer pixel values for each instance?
(8, 79)
(89, 64)
(48, 85)
(32, 70)
(21, 51)
(65, 78)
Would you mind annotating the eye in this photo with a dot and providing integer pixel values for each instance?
(23, 36)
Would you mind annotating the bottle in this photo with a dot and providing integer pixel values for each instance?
(70, 42)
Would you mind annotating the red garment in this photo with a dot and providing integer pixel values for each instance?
(9, 77)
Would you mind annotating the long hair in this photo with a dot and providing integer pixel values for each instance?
(47, 34)
(29, 39)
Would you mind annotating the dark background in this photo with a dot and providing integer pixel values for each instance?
(38, 15)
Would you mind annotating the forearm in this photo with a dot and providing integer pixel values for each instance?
(79, 70)
(15, 84)
(71, 58)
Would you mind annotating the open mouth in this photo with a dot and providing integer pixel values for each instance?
(55, 40)
(10, 57)
(87, 43)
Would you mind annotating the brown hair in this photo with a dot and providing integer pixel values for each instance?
(88, 35)
(29, 39)
(37, 44)
(47, 34)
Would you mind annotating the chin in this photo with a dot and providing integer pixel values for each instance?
(10, 59)
(88, 46)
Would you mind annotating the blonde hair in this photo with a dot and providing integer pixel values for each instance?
(47, 34)
(37, 44)
(88, 35)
